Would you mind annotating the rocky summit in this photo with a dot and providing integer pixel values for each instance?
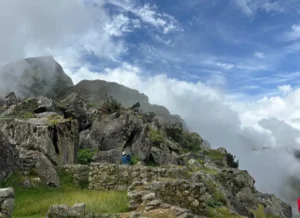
(63, 137)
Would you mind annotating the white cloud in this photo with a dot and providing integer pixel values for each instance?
(251, 7)
(149, 14)
(44, 26)
(259, 54)
(292, 34)
(285, 89)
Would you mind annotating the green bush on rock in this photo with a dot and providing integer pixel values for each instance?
(156, 137)
(85, 156)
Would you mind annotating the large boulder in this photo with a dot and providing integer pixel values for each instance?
(42, 166)
(55, 137)
(73, 106)
(7, 157)
(7, 202)
(116, 132)
(34, 76)
(112, 156)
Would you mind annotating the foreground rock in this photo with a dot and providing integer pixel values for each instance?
(7, 157)
(7, 202)
(55, 137)
(42, 138)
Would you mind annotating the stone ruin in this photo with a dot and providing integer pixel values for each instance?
(9, 100)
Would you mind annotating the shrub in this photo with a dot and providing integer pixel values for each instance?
(217, 195)
(192, 141)
(231, 161)
(216, 156)
(156, 137)
(91, 104)
(61, 105)
(175, 133)
(134, 160)
(27, 115)
(260, 213)
(85, 156)
(221, 212)
(110, 106)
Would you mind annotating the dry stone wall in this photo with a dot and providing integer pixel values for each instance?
(76, 211)
(7, 202)
(80, 173)
(120, 177)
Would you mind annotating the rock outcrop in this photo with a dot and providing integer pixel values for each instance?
(42, 137)
(7, 202)
(34, 76)
(7, 157)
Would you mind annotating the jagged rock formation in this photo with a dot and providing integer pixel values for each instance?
(34, 76)
(43, 140)
(144, 136)
(97, 91)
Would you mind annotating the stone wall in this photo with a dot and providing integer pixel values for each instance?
(191, 197)
(182, 193)
(79, 172)
(7, 202)
(119, 177)
(76, 211)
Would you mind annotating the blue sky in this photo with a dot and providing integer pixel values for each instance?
(243, 46)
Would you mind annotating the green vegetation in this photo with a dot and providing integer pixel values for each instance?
(192, 141)
(91, 105)
(85, 156)
(260, 213)
(27, 115)
(218, 196)
(25, 106)
(110, 106)
(189, 141)
(231, 162)
(61, 105)
(208, 170)
(156, 137)
(134, 160)
(55, 119)
(35, 202)
(216, 156)
(221, 212)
